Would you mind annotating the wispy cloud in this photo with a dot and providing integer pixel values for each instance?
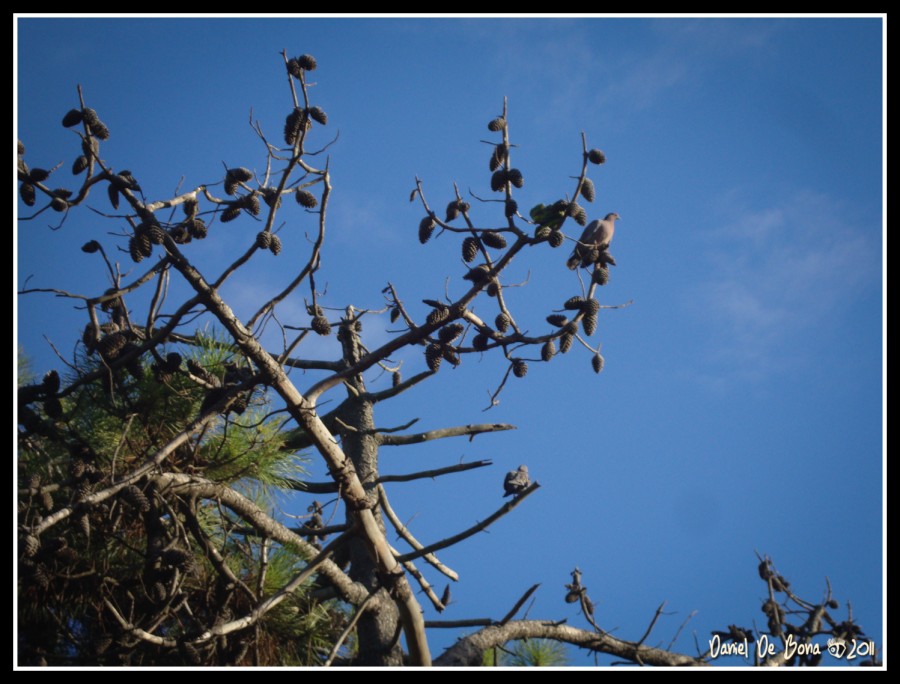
(777, 273)
(578, 63)
(682, 55)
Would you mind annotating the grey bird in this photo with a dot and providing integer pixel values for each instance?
(597, 235)
(516, 481)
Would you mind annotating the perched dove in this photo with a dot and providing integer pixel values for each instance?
(598, 234)
(516, 481)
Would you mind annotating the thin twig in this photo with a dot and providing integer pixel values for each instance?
(453, 624)
(457, 431)
(652, 622)
(350, 626)
(515, 609)
(449, 541)
(409, 538)
(680, 628)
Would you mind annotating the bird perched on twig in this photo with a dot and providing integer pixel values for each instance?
(594, 241)
(516, 481)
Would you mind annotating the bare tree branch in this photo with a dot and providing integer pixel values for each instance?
(360, 609)
(515, 609)
(659, 611)
(332, 488)
(181, 483)
(437, 472)
(458, 431)
(411, 568)
(469, 650)
(265, 606)
(455, 624)
(408, 537)
(375, 397)
(455, 539)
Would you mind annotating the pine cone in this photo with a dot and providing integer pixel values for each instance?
(180, 234)
(100, 130)
(135, 498)
(498, 180)
(306, 199)
(143, 239)
(50, 383)
(588, 191)
(111, 345)
(433, 356)
(307, 62)
(292, 125)
(426, 228)
(493, 239)
(438, 315)
(271, 196)
(558, 320)
(452, 211)
(320, 325)
(113, 193)
(596, 156)
(134, 249)
(450, 332)
(478, 274)
(548, 350)
(450, 356)
(574, 304)
(469, 249)
(27, 193)
(156, 235)
(250, 204)
(240, 174)
(72, 118)
(318, 115)
(38, 175)
(31, 546)
(79, 165)
(600, 275)
(173, 361)
(230, 214)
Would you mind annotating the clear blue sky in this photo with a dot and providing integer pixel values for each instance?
(741, 404)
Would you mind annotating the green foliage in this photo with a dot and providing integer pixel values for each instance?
(535, 653)
(24, 374)
(527, 653)
(145, 552)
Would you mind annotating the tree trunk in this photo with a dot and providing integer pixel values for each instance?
(378, 629)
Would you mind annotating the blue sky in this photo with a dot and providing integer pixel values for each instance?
(740, 408)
